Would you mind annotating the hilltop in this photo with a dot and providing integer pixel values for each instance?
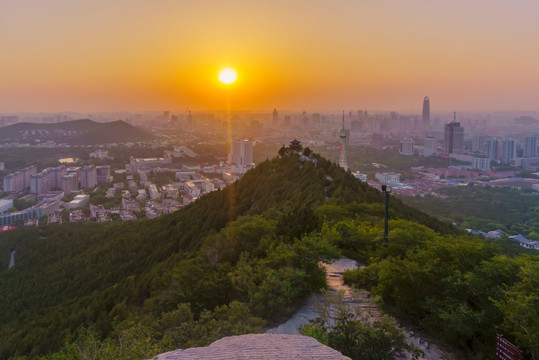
(76, 132)
(231, 263)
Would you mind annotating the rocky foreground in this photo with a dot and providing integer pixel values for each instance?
(258, 347)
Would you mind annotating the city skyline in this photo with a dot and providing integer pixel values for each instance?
(137, 56)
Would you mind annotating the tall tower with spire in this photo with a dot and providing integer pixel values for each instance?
(425, 116)
(342, 158)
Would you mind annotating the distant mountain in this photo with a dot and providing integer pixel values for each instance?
(76, 132)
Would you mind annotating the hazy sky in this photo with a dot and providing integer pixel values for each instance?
(318, 55)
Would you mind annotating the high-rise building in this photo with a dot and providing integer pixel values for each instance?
(407, 147)
(26, 173)
(304, 119)
(508, 151)
(425, 116)
(39, 183)
(19, 180)
(55, 177)
(492, 148)
(479, 144)
(13, 182)
(70, 182)
(88, 177)
(275, 117)
(355, 126)
(342, 157)
(429, 147)
(377, 141)
(256, 128)
(241, 155)
(103, 174)
(453, 138)
(530, 146)
(287, 120)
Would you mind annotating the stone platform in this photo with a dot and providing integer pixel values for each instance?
(258, 347)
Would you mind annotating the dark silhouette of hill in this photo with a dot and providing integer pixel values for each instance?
(76, 132)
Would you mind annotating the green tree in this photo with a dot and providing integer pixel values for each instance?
(357, 335)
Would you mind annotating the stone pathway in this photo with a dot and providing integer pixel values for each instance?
(354, 299)
(284, 341)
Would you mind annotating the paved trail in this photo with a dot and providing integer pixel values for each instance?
(354, 299)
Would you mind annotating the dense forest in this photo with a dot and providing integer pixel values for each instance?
(243, 258)
(485, 208)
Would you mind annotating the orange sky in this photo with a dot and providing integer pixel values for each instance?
(317, 55)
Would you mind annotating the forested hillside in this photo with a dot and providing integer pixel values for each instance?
(240, 259)
(75, 132)
(485, 208)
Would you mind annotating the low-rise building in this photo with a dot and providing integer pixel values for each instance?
(110, 192)
(131, 205)
(481, 162)
(146, 163)
(388, 178)
(360, 176)
(188, 199)
(34, 212)
(526, 243)
(5, 205)
(192, 189)
(78, 202)
(99, 154)
(53, 196)
(142, 195)
(152, 191)
(77, 216)
(127, 215)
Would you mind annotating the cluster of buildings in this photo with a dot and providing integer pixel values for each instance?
(66, 179)
(241, 156)
(519, 239)
(34, 212)
(449, 140)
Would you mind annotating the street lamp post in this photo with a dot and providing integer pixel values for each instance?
(387, 190)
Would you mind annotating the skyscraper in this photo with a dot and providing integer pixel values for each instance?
(508, 150)
(425, 118)
(342, 158)
(530, 146)
(492, 148)
(275, 116)
(453, 138)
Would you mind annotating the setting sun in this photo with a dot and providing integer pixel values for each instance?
(227, 76)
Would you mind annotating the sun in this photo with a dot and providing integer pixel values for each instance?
(228, 76)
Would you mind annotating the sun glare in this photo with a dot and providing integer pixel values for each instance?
(227, 76)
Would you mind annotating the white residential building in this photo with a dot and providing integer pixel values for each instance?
(78, 202)
(407, 147)
(388, 178)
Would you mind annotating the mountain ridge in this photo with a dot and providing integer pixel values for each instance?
(75, 132)
(266, 225)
